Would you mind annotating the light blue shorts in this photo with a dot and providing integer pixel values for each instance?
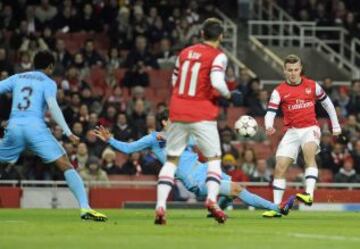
(35, 137)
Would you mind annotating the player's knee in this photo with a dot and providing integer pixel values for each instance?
(280, 170)
(63, 163)
(214, 158)
(173, 159)
(236, 188)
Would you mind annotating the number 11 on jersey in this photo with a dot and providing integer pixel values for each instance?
(194, 71)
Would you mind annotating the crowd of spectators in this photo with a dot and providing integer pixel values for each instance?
(343, 13)
(144, 36)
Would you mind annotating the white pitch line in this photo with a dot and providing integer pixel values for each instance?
(322, 236)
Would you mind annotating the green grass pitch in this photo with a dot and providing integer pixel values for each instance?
(186, 229)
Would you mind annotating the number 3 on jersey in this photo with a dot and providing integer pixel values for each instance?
(195, 68)
(25, 103)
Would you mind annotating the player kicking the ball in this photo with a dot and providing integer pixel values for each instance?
(191, 172)
(33, 93)
(297, 96)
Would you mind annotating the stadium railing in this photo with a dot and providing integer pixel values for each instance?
(341, 48)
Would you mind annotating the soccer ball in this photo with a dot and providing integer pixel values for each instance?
(246, 126)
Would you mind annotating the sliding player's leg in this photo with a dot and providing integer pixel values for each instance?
(235, 190)
(46, 147)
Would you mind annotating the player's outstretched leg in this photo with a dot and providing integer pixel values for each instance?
(165, 184)
(76, 186)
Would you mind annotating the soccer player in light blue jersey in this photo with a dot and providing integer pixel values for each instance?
(33, 94)
(190, 171)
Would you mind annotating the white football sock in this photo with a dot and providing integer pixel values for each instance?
(213, 179)
(311, 176)
(279, 186)
(165, 183)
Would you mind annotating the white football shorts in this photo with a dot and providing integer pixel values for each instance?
(295, 138)
(205, 134)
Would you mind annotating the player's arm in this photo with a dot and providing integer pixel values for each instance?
(125, 147)
(175, 73)
(328, 105)
(7, 85)
(55, 111)
(270, 115)
(217, 75)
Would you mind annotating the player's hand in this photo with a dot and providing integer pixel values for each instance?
(102, 133)
(336, 131)
(74, 139)
(270, 131)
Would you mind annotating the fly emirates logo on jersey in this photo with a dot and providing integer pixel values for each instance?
(300, 104)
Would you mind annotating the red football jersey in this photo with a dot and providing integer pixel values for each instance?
(193, 97)
(297, 102)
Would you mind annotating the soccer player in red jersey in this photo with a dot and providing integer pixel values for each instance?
(199, 71)
(297, 96)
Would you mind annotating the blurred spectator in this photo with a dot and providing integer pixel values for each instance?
(329, 89)
(91, 55)
(249, 161)
(337, 155)
(226, 136)
(114, 61)
(262, 173)
(138, 119)
(18, 35)
(356, 155)
(71, 112)
(347, 173)
(326, 145)
(7, 19)
(108, 119)
(78, 130)
(258, 106)
(93, 121)
(157, 31)
(137, 93)
(67, 20)
(231, 168)
(109, 12)
(81, 156)
(58, 133)
(72, 80)
(89, 21)
(133, 165)
(117, 99)
(136, 76)
(140, 26)
(354, 105)
(166, 57)
(93, 172)
(24, 64)
(44, 13)
(62, 55)
(343, 101)
(121, 130)
(140, 53)
(120, 31)
(5, 64)
(94, 147)
(9, 172)
(32, 23)
(183, 32)
(108, 162)
(33, 44)
(84, 115)
(79, 63)
(253, 89)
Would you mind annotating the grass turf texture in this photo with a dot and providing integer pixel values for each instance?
(35, 228)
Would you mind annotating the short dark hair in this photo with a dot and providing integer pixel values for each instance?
(43, 60)
(212, 28)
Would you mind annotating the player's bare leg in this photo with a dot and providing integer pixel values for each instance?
(213, 180)
(165, 184)
(311, 173)
(76, 186)
(279, 183)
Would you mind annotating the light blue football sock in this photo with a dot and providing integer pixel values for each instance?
(256, 201)
(76, 186)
